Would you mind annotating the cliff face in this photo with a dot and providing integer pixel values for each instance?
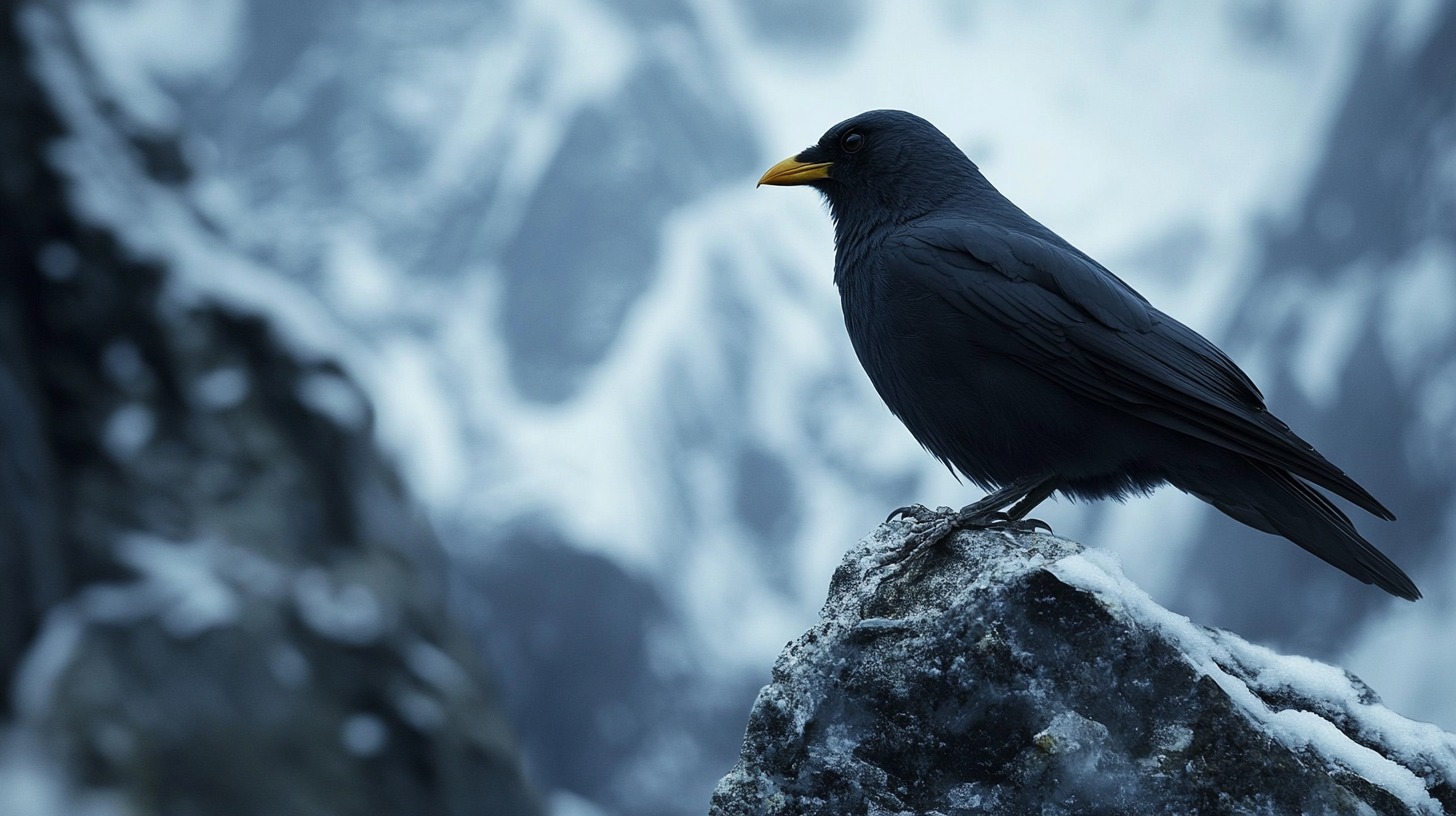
(1020, 674)
(215, 597)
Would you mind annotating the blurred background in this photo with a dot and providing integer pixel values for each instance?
(414, 408)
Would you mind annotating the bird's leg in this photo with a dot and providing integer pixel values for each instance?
(1017, 514)
(987, 513)
(909, 511)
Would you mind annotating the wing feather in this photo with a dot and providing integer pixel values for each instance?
(1063, 315)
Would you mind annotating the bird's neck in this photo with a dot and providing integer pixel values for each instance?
(861, 212)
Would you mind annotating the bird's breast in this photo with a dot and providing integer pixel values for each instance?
(985, 415)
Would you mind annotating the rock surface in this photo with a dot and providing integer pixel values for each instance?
(1018, 673)
(215, 596)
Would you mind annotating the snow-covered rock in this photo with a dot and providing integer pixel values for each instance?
(1020, 673)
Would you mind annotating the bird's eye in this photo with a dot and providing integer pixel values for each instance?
(851, 142)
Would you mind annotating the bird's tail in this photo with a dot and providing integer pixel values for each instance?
(1270, 499)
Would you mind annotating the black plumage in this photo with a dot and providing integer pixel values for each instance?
(1028, 367)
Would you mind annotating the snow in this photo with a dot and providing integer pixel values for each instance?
(419, 710)
(31, 784)
(45, 661)
(142, 46)
(432, 665)
(223, 388)
(334, 397)
(1123, 127)
(1331, 330)
(1419, 319)
(1215, 653)
(363, 735)
(566, 803)
(1255, 113)
(1406, 656)
(182, 584)
(351, 613)
(128, 430)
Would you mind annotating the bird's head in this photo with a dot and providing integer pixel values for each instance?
(881, 166)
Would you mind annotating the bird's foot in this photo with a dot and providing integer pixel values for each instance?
(927, 528)
(915, 512)
(1030, 525)
(930, 527)
(972, 517)
(998, 521)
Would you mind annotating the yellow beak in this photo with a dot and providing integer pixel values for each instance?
(791, 171)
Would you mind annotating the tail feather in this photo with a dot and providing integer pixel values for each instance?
(1274, 501)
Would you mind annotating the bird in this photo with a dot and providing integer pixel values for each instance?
(1029, 369)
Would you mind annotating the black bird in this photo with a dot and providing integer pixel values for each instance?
(1026, 366)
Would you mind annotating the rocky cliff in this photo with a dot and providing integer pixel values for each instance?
(1021, 674)
(215, 596)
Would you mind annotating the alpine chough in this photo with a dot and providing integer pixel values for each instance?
(1029, 368)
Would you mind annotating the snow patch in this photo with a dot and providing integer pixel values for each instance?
(1418, 321)
(349, 614)
(141, 47)
(222, 388)
(363, 735)
(1211, 651)
(182, 584)
(128, 430)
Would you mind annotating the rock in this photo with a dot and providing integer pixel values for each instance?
(217, 597)
(1018, 673)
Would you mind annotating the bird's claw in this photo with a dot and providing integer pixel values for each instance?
(929, 527)
(1030, 525)
(921, 514)
(999, 521)
(909, 511)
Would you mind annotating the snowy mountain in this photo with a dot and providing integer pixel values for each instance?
(615, 374)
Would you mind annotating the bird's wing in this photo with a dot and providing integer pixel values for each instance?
(1064, 316)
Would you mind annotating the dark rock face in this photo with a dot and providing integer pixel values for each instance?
(215, 597)
(1018, 674)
